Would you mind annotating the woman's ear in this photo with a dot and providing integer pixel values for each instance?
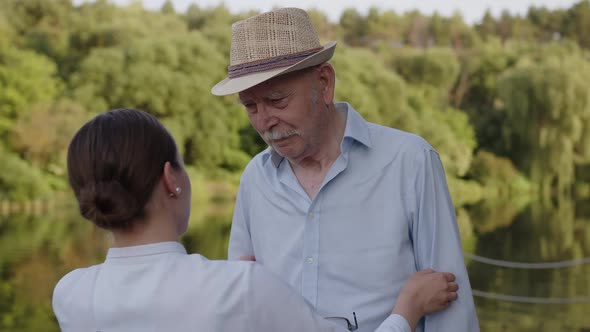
(170, 181)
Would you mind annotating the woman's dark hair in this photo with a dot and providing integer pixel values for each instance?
(114, 163)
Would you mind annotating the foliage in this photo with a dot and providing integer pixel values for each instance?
(437, 67)
(42, 135)
(26, 78)
(504, 102)
(509, 85)
(548, 104)
(364, 81)
(19, 180)
(498, 175)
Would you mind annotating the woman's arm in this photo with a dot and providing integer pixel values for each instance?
(275, 306)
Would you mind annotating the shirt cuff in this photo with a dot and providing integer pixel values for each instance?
(394, 323)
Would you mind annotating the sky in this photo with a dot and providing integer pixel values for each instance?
(472, 10)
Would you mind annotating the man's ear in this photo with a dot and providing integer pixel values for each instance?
(169, 179)
(327, 77)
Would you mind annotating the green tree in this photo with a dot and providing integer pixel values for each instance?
(417, 32)
(448, 130)
(384, 28)
(477, 93)
(436, 69)
(7, 32)
(577, 23)
(19, 180)
(195, 17)
(548, 23)
(26, 78)
(505, 25)
(171, 78)
(167, 8)
(353, 26)
(326, 29)
(363, 80)
(487, 27)
(548, 105)
(462, 36)
(42, 135)
(216, 27)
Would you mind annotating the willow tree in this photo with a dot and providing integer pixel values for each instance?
(547, 104)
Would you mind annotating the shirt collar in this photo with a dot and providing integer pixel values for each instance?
(146, 250)
(356, 129)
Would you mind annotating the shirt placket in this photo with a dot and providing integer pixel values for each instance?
(311, 241)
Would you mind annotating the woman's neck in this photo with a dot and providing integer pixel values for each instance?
(145, 232)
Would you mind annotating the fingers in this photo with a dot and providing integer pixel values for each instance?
(449, 276)
(452, 296)
(426, 271)
(449, 295)
(248, 258)
(445, 302)
(452, 287)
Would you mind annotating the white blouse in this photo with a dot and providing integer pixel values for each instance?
(158, 287)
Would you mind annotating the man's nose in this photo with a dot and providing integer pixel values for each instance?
(267, 118)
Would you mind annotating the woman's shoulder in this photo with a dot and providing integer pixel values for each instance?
(76, 276)
(72, 283)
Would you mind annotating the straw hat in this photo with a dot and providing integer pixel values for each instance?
(269, 45)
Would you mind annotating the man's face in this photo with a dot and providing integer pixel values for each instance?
(287, 111)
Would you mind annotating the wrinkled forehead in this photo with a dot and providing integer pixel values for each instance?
(279, 85)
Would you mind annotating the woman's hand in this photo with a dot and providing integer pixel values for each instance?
(425, 292)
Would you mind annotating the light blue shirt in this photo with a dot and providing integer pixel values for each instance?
(158, 287)
(382, 213)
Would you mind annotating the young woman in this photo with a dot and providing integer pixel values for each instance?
(129, 178)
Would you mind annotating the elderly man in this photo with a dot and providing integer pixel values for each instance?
(341, 209)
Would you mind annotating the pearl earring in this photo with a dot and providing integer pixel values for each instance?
(178, 191)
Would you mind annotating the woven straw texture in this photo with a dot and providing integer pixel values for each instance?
(277, 33)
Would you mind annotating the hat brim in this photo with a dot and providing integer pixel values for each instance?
(234, 85)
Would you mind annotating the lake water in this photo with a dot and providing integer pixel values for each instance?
(36, 249)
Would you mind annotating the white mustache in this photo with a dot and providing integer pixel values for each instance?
(272, 135)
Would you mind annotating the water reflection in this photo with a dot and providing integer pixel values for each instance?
(538, 233)
(38, 250)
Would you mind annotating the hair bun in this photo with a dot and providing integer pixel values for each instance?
(108, 204)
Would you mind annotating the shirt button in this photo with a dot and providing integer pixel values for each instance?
(309, 260)
(311, 215)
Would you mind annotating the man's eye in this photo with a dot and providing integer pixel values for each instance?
(279, 101)
(250, 108)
